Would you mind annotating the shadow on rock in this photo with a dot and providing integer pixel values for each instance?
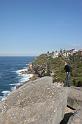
(66, 118)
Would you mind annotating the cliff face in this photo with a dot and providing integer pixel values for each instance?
(36, 102)
(45, 65)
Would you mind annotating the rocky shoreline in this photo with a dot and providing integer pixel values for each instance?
(30, 73)
(31, 94)
(39, 102)
(25, 75)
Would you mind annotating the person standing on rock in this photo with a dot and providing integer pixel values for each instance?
(67, 69)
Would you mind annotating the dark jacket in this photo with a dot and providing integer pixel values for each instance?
(67, 68)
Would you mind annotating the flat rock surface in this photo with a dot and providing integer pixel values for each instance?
(36, 102)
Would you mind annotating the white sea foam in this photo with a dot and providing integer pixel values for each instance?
(14, 84)
(26, 77)
(21, 70)
(22, 73)
(5, 94)
(13, 88)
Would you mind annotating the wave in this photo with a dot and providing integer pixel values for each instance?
(22, 73)
(14, 84)
(5, 94)
(24, 76)
(21, 70)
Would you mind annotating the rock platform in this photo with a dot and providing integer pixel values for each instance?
(36, 102)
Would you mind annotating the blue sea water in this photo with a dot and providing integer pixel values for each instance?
(8, 72)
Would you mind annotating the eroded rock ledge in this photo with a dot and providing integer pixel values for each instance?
(75, 97)
(36, 102)
(75, 101)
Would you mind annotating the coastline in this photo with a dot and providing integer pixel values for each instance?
(28, 77)
(25, 77)
(23, 106)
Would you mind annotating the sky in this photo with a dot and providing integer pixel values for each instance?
(32, 27)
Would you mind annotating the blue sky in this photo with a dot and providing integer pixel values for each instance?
(30, 27)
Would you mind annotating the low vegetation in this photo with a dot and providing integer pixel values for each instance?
(46, 65)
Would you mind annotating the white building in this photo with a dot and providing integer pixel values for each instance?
(55, 54)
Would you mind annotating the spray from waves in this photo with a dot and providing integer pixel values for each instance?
(5, 94)
(24, 76)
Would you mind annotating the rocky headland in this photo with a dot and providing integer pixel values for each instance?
(43, 99)
(39, 102)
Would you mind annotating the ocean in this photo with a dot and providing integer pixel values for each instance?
(10, 77)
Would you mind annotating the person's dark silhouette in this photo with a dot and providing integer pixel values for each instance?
(67, 69)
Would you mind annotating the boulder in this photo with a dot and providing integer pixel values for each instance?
(75, 97)
(76, 118)
(36, 102)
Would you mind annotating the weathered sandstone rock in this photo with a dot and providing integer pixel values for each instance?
(76, 118)
(36, 102)
(75, 97)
